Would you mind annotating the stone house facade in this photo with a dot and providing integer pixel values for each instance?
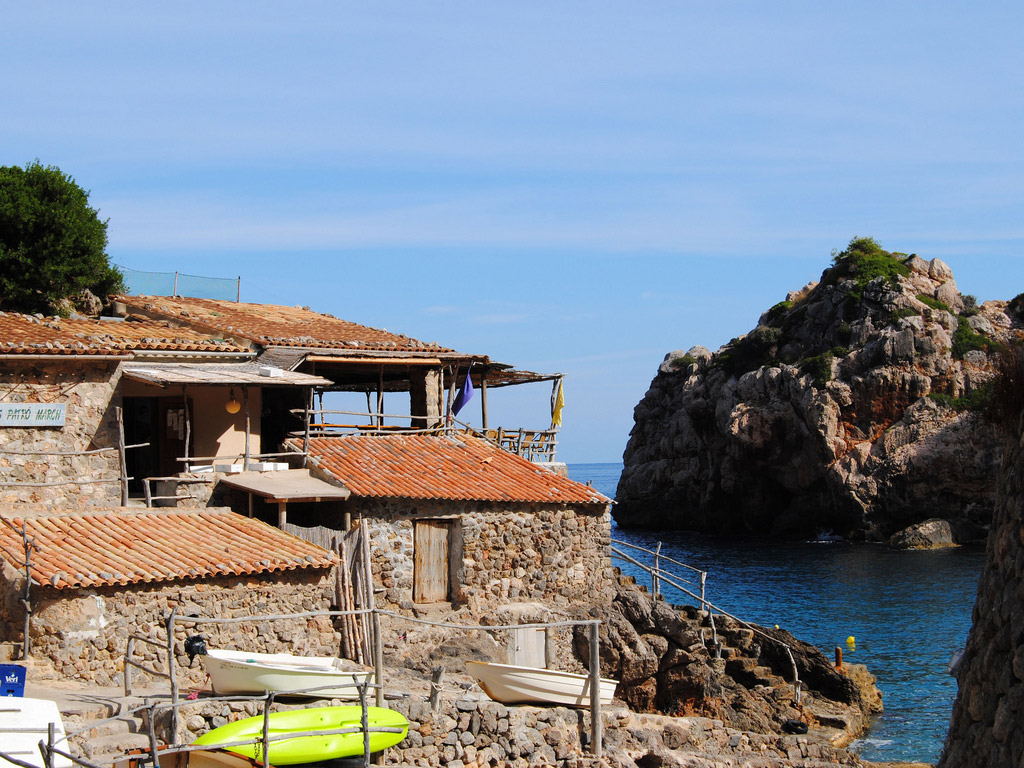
(101, 577)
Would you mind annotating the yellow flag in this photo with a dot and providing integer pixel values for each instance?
(556, 412)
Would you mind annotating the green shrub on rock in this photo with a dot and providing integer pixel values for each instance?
(819, 367)
(864, 260)
(934, 303)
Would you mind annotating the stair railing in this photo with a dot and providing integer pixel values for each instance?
(658, 575)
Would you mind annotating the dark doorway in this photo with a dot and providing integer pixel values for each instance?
(159, 421)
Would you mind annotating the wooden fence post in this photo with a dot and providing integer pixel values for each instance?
(596, 729)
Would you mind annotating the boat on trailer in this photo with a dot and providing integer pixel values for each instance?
(533, 685)
(236, 672)
(308, 745)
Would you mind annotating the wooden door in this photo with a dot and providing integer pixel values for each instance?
(431, 560)
(528, 647)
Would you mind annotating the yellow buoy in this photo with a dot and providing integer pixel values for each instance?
(776, 626)
(851, 641)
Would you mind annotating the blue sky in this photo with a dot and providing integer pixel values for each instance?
(571, 187)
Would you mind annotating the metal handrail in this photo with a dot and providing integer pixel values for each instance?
(659, 574)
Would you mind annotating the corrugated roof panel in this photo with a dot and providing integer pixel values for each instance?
(120, 547)
(442, 467)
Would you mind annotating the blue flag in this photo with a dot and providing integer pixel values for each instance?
(465, 393)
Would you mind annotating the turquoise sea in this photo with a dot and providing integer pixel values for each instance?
(907, 611)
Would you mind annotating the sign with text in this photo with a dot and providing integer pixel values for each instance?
(32, 414)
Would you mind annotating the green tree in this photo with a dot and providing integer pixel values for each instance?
(52, 244)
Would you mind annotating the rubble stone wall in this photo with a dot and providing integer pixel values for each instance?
(989, 708)
(467, 732)
(84, 633)
(90, 423)
(501, 552)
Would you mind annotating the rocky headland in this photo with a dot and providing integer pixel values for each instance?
(853, 408)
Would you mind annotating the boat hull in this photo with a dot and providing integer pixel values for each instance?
(24, 722)
(532, 685)
(233, 672)
(310, 748)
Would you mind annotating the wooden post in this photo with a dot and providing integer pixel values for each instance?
(380, 397)
(282, 513)
(451, 397)
(148, 491)
(266, 727)
(250, 503)
(238, 290)
(305, 422)
(378, 658)
(188, 424)
(248, 426)
(703, 582)
(483, 399)
(839, 657)
(596, 729)
(121, 456)
(435, 688)
(26, 600)
(171, 672)
(378, 646)
(51, 734)
(128, 652)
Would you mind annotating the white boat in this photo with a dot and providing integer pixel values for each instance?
(23, 724)
(240, 672)
(532, 685)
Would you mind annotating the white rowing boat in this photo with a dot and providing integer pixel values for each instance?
(23, 724)
(240, 672)
(532, 685)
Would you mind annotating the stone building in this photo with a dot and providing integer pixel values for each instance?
(103, 575)
(199, 403)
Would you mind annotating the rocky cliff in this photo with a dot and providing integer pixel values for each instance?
(989, 708)
(852, 408)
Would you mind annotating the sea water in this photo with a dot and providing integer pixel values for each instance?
(908, 612)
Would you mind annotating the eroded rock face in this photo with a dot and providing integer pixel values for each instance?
(664, 659)
(850, 409)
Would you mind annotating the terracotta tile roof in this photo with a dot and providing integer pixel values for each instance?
(436, 467)
(122, 547)
(38, 335)
(274, 325)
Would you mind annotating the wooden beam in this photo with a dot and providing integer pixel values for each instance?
(483, 398)
(282, 513)
(245, 401)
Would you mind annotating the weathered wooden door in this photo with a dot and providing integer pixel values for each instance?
(527, 648)
(431, 560)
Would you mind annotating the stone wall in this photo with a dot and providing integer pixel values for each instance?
(468, 731)
(84, 633)
(87, 388)
(989, 708)
(503, 552)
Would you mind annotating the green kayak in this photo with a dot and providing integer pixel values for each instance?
(308, 748)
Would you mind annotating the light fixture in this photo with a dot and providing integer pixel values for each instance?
(232, 406)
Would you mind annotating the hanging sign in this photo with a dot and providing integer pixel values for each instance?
(32, 414)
